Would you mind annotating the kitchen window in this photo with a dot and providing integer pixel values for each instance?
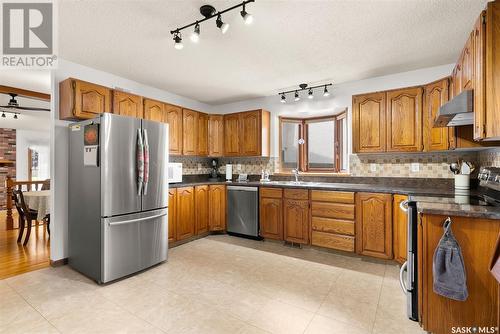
(317, 144)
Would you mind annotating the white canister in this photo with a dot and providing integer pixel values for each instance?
(462, 181)
(229, 172)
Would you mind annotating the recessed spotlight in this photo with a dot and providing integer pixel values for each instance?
(178, 41)
(297, 97)
(221, 25)
(283, 98)
(310, 94)
(195, 36)
(325, 92)
(247, 17)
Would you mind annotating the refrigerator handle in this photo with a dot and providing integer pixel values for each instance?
(139, 157)
(146, 162)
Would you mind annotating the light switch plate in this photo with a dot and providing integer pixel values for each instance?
(415, 167)
(373, 167)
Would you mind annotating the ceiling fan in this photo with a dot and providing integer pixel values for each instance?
(13, 105)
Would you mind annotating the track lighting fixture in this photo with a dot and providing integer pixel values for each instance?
(209, 12)
(5, 112)
(223, 26)
(178, 41)
(195, 36)
(303, 87)
(247, 17)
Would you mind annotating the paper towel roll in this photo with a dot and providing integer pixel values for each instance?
(229, 172)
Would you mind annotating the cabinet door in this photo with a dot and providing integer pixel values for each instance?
(185, 213)
(369, 123)
(467, 64)
(189, 132)
(155, 111)
(435, 95)
(404, 120)
(400, 225)
(126, 104)
(217, 207)
(479, 43)
(457, 77)
(202, 134)
(174, 119)
(296, 220)
(271, 218)
(216, 135)
(172, 214)
(231, 135)
(201, 209)
(374, 225)
(250, 133)
(89, 100)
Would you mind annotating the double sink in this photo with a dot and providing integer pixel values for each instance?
(293, 183)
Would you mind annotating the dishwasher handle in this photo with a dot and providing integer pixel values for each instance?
(242, 188)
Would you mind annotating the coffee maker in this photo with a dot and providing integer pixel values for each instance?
(214, 173)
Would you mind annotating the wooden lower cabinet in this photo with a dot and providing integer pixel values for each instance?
(172, 214)
(201, 209)
(296, 216)
(400, 229)
(271, 213)
(185, 213)
(477, 238)
(374, 225)
(217, 208)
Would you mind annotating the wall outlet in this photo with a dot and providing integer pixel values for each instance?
(199, 166)
(415, 167)
(373, 167)
(238, 167)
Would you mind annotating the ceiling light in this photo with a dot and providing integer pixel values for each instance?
(325, 92)
(310, 94)
(178, 41)
(195, 36)
(3, 115)
(297, 97)
(247, 17)
(15, 116)
(221, 25)
(283, 98)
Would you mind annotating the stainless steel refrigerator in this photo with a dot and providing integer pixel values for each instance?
(118, 196)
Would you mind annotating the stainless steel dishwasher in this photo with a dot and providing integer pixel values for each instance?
(243, 211)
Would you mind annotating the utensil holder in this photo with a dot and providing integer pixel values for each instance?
(462, 181)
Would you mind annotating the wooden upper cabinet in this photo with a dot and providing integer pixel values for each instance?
(155, 111)
(217, 207)
(201, 209)
(202, 148)
(250, 133)
(457, 77)
(467, 64)
(369, 123)
(400, 229)
(172, 213)
(231, 135)
(374, 225)
(174, 120)
(492, 77)
(126, 104)
(215, 135)
(185, 213)
(435, 95)
(404, 120)
(479, 48)
(82, 100)
(189, 132)
(296, 220)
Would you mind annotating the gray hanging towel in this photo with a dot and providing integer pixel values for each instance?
(448, 267)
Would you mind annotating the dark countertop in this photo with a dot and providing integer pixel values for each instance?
(463, 210)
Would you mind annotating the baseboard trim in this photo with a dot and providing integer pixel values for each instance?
(58, 263)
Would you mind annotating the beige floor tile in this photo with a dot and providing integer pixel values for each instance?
(277, 317)
(249, 329)
(324, 325)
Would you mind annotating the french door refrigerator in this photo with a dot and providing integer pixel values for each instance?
(118, 196)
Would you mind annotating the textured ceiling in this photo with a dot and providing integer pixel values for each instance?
(289, 42)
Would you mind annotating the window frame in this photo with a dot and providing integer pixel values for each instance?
(304, 149)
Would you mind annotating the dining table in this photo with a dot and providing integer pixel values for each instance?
(39, 201)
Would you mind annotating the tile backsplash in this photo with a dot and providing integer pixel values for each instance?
(430, 165)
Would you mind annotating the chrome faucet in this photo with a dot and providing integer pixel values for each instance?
(295, 172)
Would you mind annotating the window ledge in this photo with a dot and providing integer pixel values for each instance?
(313, 174)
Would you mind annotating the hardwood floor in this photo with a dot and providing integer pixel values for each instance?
(16, 259)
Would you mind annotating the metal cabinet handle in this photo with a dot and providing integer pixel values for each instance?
(401, 279)
(404, 205)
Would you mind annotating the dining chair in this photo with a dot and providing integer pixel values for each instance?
(46, 185)
(26, 215)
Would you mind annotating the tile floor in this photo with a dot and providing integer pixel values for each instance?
(218, 284)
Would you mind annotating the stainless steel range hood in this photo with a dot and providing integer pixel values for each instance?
(458, 111)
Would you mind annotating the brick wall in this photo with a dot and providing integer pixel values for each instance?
(7, 152)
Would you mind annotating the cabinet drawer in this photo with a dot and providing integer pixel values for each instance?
(332, 210)
(297, 193)
(333, 225)
(332, 196)
(271, 192)
(334, 241)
